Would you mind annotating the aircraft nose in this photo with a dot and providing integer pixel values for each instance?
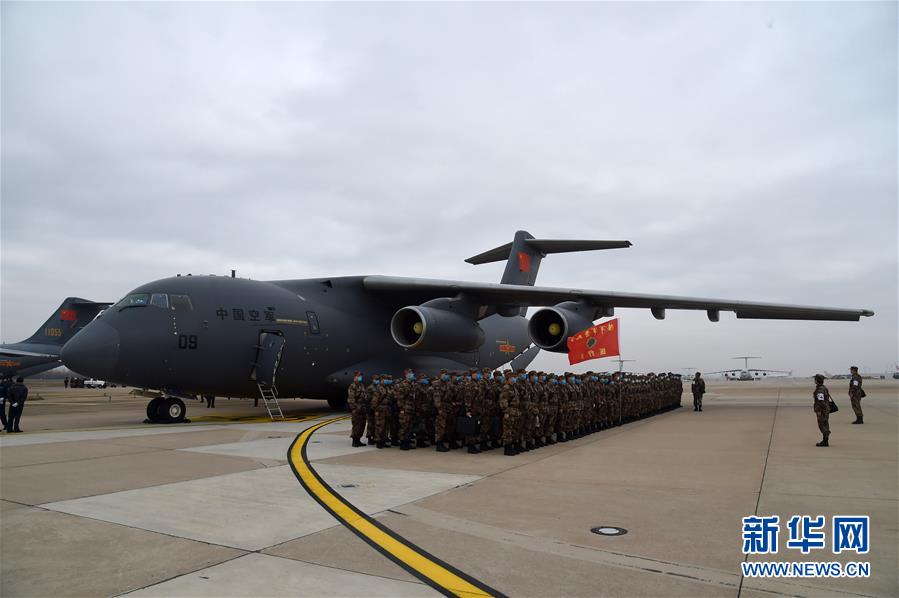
(93, 352)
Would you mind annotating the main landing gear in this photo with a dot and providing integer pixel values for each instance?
(166, 410)
(337, 404)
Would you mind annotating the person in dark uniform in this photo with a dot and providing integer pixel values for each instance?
(698, 388)
(821, 397)
(16, 395)
(856, 394)
(210, 401)
(66, 382)
(4, 391)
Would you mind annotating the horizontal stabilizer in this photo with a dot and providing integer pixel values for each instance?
(545, 247)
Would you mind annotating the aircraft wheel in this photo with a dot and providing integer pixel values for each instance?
(338, 404)
(153, 408)
(171, 410)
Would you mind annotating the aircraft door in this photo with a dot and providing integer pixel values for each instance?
(268, 358)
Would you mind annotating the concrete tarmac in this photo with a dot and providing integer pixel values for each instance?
(96, 503)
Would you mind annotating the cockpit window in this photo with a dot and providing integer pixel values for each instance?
(160, 300)
(135, 300)
(181, 302)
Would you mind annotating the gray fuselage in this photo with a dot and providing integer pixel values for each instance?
(208, 344)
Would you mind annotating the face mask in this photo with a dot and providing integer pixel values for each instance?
(554, 381)
(411, 376)
(444, 377)
(542, 378)
(458, 378)
(376, 382)
(388, 382)
(358, 378)
(425, 381)
(562, 382)
(477, 376)
(523, 377)
(514, 380)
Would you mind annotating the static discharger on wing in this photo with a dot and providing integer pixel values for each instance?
(226, 336)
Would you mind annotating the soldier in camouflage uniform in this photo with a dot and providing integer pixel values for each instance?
(821, 398)
(508, 405)
(443, 410)
(471, 405)
(856, 394)
(405, 392)
(357, 400)
(552, 409)
(424, 413)
(380, 407)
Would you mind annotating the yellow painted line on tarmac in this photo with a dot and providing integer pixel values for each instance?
(444, 578)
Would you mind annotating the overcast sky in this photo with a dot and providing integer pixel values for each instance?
(749, 151)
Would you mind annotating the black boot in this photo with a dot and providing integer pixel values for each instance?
(454, 445)
(381, 444)
(473, 449)
(509, 451)
(530, 445)
(357, 443)
(404, 445)
(859, 420)
(563, 437)
(549, 440)
(394, 442)
(823, 441)
(422, 443)
(522, 447)
(539, 443)
(442, 448)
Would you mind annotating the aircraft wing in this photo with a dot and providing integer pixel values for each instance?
(6, 352)
(723, 372)
(770, 371)
(493, 294)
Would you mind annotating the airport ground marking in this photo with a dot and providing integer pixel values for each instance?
(441, 576)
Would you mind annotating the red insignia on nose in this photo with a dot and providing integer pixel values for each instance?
(68, 315)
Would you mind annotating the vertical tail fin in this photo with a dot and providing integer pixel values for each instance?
(73, 315)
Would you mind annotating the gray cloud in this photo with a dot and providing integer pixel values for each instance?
(748, 150)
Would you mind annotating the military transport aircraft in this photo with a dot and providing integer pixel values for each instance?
(40, 352)
(748, 373)
(195, 335)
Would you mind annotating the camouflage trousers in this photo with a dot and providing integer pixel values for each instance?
(358, 420)
(857, 406)
(697, 400)
(549, 426)
(822, 412)
(443, 426)
(370, 423)
(530, 425)
(405, 425)
(381, 431)
(510, 427)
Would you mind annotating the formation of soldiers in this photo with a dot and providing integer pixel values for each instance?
(518, 411)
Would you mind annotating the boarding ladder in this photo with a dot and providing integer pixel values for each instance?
(269, 396)
(265, 369)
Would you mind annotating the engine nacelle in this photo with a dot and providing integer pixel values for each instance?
(550, 327)
(424, 328)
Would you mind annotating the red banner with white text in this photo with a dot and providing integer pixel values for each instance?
(595, 342)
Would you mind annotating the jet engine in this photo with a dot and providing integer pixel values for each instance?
(550, 327)
(431, 328)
